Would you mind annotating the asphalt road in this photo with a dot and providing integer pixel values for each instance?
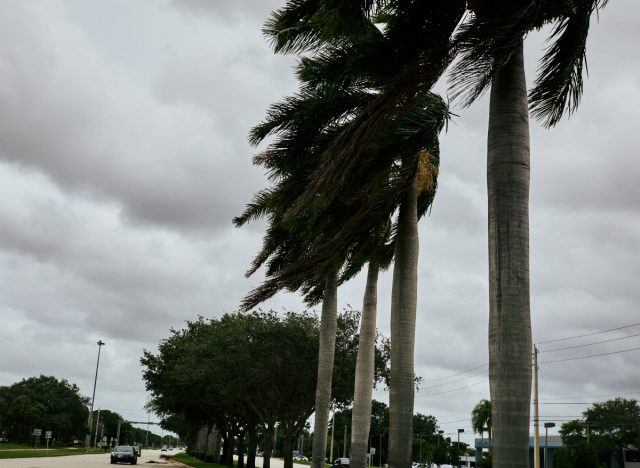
(148, 458)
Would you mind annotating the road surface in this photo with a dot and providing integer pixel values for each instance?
(149, 458)
(102, 460)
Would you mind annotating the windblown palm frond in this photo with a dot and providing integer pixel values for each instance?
(303, 25)
(558, 87)
(412, 69)
(354, 225)
(485, 42)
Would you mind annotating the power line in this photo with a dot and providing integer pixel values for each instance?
(457, 420)
(588, 344)
(590, 356)
(588, 334)
(570, 403)
(456, 374)
(453, 381)
(453, 389)
(591, 396)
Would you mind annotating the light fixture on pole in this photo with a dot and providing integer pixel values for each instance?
(87, 442)
(547, 425)
(459, 431)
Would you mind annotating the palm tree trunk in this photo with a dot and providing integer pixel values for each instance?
(326, 353)
(403, 329)
(365, 364)
(509, 313)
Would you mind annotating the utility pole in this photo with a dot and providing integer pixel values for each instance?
(458, 447)
(146, 439)
(87, 440)
(344, 448)
(536, 422)
(547, 425)
(333, 426)
(95, 437)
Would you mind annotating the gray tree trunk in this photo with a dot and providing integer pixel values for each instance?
(509, 313)
(404, 297)
(365, 365)
(325, 368)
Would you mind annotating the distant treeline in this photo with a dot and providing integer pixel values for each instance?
(54, 405)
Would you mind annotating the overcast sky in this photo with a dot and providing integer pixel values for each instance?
(123, 158)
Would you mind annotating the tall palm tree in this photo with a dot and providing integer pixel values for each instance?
(492, 53)
(365, 362)
(300, 123)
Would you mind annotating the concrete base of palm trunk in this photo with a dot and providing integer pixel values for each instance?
(326, 352)
(509, 321)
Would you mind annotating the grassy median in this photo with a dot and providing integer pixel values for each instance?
(190, 461)
(55, 452)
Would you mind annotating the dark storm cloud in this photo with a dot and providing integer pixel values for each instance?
(100, 132)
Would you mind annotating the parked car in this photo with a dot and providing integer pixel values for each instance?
(341, 463)
(124, 453)
(300, 457)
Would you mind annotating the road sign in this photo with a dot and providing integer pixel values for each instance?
(372, 451)
(37, 432)
(47, 435)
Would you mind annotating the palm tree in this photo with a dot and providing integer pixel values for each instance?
(492, 53)
(481, 419)
(300, 122)
(363, 388)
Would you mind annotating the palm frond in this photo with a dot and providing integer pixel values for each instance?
(302, 25)
(558, 86)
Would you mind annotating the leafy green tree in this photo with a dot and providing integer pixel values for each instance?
(606, 429)
(248, 369)
(46, 403)
(425, 430)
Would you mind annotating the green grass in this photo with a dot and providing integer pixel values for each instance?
(10, 446)
(190, 461)
(30, 453)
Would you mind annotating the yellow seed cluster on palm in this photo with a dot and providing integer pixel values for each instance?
(427, 172)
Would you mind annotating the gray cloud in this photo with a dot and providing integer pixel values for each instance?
(123, 158)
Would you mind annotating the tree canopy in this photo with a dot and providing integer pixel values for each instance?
(606, 428)
(245, 372)
(45, 403)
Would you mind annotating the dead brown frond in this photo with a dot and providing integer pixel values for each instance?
(427, 172)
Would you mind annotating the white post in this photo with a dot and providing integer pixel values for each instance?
(536, 422)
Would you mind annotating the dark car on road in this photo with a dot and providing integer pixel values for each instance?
(124, 453)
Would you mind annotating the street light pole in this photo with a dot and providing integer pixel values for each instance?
(87, 441)
(459, 431)
(547, 425)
